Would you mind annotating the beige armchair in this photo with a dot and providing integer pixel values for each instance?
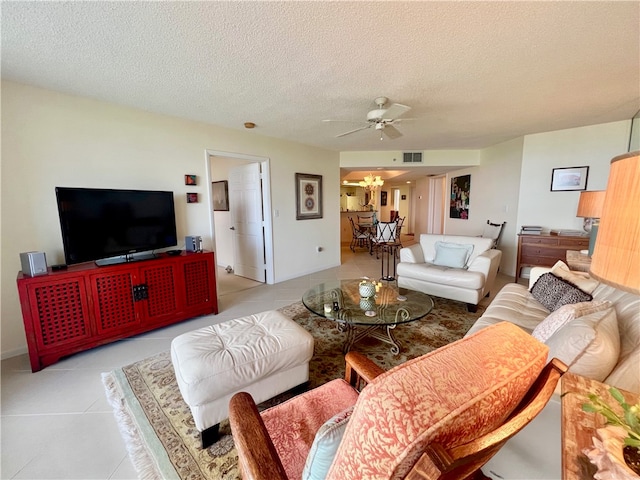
(439, 416)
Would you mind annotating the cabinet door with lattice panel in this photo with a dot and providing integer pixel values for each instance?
(112, 298)
(161, 302)
(199, 284)
(59, 316)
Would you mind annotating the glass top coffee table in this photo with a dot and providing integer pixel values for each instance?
(375, 316)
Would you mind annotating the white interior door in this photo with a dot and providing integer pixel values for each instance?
(247, 225)
(437, 205)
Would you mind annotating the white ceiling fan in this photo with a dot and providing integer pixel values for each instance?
(382, 119)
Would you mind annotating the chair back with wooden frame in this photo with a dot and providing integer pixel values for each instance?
(495, 381)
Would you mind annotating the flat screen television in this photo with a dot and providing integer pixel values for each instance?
(110, 226)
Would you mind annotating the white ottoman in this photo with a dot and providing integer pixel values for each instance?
(264, 354)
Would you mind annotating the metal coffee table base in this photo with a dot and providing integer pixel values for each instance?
(356, 333)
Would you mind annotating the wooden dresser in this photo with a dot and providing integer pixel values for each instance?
(545, 250)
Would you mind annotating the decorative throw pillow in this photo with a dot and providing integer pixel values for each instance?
(580, 279)
(589, 345)
(553, 292)
(325, 446)
(452, 255)
(564, 315)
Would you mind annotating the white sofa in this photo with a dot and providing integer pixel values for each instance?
(515, 304)
(535, 453)
(423, 268)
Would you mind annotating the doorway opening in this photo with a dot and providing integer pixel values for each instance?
(228, 228)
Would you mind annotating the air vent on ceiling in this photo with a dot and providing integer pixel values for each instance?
(412, 157)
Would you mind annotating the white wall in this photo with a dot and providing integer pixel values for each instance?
(493, 196)
(51, 139)
(593, 146)
(512, 181)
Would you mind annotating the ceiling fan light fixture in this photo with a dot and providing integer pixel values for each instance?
(380, 118)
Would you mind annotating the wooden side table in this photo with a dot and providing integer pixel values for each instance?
(578, 427)
(580, 262)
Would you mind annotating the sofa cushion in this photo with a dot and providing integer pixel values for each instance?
(554, 292)
(428, 244)
(454, 277)
(589, 345)
(580, 279)
(564, 315)
(626, 374)
(514, 304)
(453, 255)
(325, 445)
(292, 424)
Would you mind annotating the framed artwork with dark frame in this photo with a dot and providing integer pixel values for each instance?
(190, 180)
(220, 195)
(308, 196)
(459, 201)
(569, 179)
(383, 198)
(192, 198)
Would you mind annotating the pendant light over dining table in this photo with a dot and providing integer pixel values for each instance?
(371, 183)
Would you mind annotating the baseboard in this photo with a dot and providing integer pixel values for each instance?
(13, 353)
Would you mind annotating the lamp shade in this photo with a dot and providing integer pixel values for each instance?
(590, 204)
(616, 257)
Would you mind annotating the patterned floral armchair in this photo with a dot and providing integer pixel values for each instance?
(439, 416)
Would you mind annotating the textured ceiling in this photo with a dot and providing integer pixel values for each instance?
(474, 73)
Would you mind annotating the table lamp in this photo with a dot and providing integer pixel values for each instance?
(617, 249)
(590, 208)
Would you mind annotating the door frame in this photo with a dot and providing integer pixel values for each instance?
(266, 202)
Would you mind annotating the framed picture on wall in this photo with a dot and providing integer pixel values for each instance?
(569, 179)
(459, 203)
(220, 195)
(308, 196)
(383, 199)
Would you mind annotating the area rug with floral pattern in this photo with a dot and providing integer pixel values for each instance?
(158, 428)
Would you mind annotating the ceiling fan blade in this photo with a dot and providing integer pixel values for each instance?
(394, 111)
(353, 131)
(391, 131)
(342, 121)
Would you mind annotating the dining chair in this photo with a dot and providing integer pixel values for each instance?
(385, 234)
(400, 221)
(358, 238)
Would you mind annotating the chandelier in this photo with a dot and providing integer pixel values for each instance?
(371, 183)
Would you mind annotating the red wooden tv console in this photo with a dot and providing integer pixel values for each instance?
(85, 306)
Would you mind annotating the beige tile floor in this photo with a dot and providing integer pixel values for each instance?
(57, 424)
